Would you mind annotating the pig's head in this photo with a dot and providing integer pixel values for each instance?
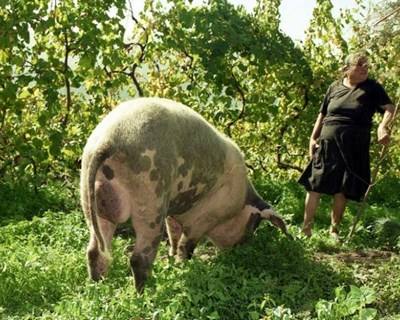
(257, 210)
(242, 225)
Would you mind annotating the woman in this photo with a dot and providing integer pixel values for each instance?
(340, 140)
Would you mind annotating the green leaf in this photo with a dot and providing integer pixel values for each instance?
(368, 295)
(42, 119)
(214, 316)
(368, 314)
(56, 144)
(254, 315)
(3, 54)
(24, 33)
(355, 293)
(86, 61)
(324, 309)
(37, 143)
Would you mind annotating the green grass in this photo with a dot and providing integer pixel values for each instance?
(43, 273)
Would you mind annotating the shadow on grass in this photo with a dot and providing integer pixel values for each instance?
(267, 272)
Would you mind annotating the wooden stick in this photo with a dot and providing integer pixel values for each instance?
(387, 16)
(382, 154)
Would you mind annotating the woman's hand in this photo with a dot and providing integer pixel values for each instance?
(383, 135)
(315, 135)
(313, 145)
(383, 131)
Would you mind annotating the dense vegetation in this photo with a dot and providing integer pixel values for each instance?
(64, 64)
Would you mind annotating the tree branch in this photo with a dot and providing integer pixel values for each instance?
(283, 165)
(387, 16)
(190, 65)
(66, 79)
(143, 47)
(284, 129)
(297, 113)
(239, 89)
(133, 16)
(132, 75)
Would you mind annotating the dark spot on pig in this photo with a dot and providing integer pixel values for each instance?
(138, 163)
(190, 245)
(105, 152)
(154, 175)
(156, 241)
(108, 202)
(183, 202)
(159, 189)
(108, 172)
(186, 230)
(147, 250)
(152, 225)
(144, 163)
(140, 266)
(183, 169)
(93, 256)
(186, 249)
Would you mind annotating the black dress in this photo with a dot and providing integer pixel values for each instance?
(341, 162)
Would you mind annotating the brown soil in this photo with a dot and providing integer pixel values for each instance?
(360, 256)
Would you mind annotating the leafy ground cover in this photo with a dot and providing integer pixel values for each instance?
(43, 273)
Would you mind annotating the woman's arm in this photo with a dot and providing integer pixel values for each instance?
(315, 134)
(383, 130)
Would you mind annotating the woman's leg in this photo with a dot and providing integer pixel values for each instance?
(339, 205)
(311, 205)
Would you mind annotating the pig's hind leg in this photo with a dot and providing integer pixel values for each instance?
(148, 222)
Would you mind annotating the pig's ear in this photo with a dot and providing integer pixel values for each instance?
(276, 220)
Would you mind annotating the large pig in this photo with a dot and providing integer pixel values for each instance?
(160, 164)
